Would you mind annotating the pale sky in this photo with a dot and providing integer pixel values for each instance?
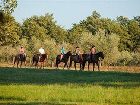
(67, 12)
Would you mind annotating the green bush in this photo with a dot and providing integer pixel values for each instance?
(135, 61)
(124, 58)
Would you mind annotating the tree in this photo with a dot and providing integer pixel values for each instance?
(75, 34)
(108, 45)
(9, 28)
(30, 28)
(8, 6)
(134, 32)
(137, 18)
(92, 23)
(96, 15)
(9, 31)
(123, 20)
(43, 27)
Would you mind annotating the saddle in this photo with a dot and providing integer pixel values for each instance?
(92, 57)
(42, 57)
(21, 56)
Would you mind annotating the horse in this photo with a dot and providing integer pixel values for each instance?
(19, 58)
(64, 59)
(76, 59)
(94, 60)
(37, 58)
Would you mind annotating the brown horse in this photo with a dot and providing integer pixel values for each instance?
(39, 60)
(19, 58)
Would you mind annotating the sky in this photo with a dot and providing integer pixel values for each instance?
(68, 12)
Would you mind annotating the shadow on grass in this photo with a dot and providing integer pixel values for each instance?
(35, 103)
(2, 98)
(48, 76)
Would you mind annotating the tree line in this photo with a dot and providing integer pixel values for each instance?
(118, 38)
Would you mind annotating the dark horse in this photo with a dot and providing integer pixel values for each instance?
(94, 60)
(19, 58)
(39, 59)
(64, 59)
(76, 59)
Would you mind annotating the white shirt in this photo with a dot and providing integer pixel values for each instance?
(42, 51)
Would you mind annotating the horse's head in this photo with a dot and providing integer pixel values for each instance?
(101, 55)
(69, 53)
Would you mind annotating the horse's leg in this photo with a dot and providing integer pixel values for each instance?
(36, 65)
(65, 65)
(20, 64)
(88, 65)
(97, 63)
(43, 64)
(70, 64)
(14, 61)
(75, 65)
(17, 63)
(57, 64)
(93, 66)
(83, 65)
(40, 65)
(25, 64)
(80, 66)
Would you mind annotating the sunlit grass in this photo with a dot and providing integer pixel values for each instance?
(34, 86)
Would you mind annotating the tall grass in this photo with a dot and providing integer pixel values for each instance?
(34, 86)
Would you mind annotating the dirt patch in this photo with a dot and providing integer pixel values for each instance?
(134, 69)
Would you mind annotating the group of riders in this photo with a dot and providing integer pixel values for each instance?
(77, 52)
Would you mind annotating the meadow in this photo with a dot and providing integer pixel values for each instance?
(29, 86)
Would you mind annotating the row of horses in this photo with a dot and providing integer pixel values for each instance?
(82, 59)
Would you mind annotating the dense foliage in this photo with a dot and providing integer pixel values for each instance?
(119, 39)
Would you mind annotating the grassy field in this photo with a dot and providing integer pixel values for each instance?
(68, 87)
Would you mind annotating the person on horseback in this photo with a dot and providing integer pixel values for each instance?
(22, 51)
(41, 51)
(78, 53)
(62, 53)
(92, 52)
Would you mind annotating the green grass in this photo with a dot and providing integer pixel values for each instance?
(60, 87)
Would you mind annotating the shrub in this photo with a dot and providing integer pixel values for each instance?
(124, 58)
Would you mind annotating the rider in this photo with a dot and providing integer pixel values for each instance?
(78, 53)
(62, 53)
(22, 51)
(92, 52)
(41, 51)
